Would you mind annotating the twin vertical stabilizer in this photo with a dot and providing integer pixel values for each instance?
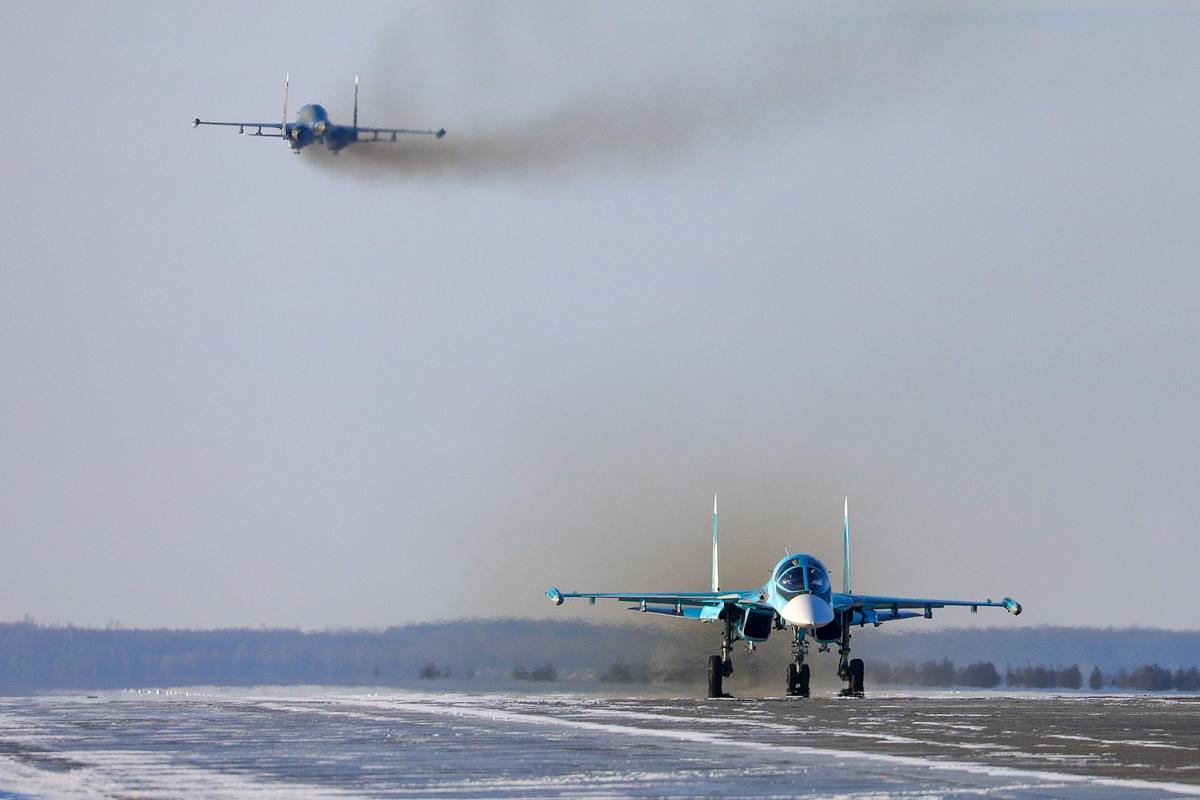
(715, 581)
(846, 547)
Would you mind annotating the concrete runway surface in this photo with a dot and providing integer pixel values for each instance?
(316, 743)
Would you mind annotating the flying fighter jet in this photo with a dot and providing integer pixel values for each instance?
(313, 126)
(800, 596)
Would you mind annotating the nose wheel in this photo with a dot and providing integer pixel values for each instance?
(798, 672)
(797, 680)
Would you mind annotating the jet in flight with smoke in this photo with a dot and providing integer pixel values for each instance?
(313, 126)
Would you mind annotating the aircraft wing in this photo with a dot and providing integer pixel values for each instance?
(242, 126)
(390, 134)
(694, 605)
(877, 609)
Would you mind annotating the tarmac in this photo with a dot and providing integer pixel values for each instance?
(1125, 736)
(320, 742)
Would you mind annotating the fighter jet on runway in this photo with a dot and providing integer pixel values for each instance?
(313, 126)
(799, 595)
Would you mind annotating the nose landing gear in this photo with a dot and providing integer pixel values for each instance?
(798, 672)
(797, 680)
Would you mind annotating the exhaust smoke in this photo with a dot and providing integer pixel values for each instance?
(527, 90)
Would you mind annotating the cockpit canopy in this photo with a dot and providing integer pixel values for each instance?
(801, 573)
(311, 115)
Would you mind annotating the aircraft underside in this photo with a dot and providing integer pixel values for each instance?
(735, 626)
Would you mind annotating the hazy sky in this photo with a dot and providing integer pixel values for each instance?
(941, 258)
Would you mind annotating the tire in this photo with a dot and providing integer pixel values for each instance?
(797, 680)
(857, 675)
(716, 672)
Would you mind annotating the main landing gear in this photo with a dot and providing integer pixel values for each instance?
(850, 670)
(721, 667)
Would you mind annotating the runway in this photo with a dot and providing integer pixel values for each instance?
(316, 743)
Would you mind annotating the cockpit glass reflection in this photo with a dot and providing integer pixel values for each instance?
(792, 580)
(818, 581)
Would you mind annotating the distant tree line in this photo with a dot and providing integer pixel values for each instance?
(547, 672)
(35, 658)
(984, 675)
(674, 674)
(1149, 678)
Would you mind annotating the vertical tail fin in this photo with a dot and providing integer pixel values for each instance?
(287, 78)
(716, 584)
(356, 103)
(846, 547)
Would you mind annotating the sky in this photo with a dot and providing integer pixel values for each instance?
(939, 258)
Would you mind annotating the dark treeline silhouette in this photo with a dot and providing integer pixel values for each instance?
(1153, 678)
(546, 672)
(677, 674)
(37, 658)
(983, 674)
(1043, 677)
(942, 673)
(1107, 648)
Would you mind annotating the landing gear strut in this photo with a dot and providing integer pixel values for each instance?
(851, 670)
(797, 671)
(721, 667)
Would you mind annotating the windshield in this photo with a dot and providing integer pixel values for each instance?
(792, 580)
(818, 581)
(802, 575)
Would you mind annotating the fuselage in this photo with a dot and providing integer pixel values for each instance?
(801, 594)
(313, 126)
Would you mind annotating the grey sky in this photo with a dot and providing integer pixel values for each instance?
(942, 260)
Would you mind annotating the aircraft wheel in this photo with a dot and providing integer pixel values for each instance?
(857, 673)
(716, 672)
(797, 680)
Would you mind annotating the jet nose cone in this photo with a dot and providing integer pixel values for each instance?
(807, 611)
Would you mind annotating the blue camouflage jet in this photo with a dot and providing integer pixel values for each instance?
(800, 596)
(313, 126)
